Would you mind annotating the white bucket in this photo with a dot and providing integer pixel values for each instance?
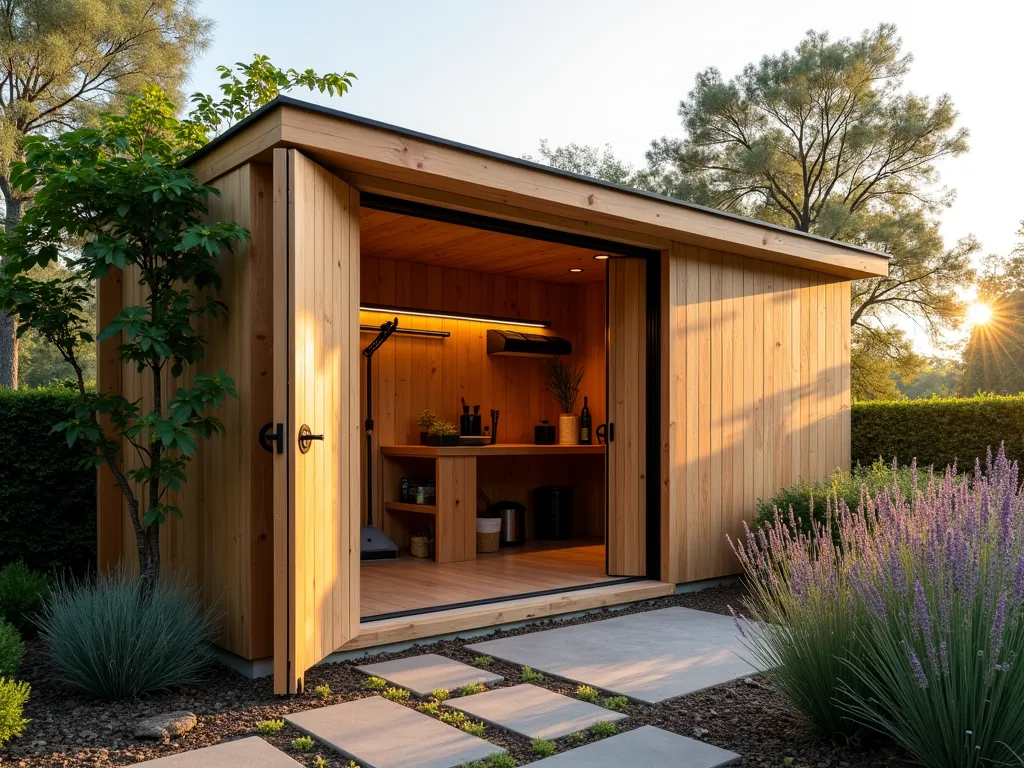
(488, 524)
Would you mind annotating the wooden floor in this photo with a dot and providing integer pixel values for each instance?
(412, 583)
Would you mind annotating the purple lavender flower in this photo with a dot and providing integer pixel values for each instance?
(915, 667)
(996, 636)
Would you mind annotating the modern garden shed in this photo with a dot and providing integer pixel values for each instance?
(714, 350)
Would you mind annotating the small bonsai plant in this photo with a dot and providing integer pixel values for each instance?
(425, 421)
(443, 433)
(564, 383)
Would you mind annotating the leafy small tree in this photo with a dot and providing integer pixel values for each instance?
(117, 189)
(119, 196)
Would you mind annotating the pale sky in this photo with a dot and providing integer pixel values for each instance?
(503, 75)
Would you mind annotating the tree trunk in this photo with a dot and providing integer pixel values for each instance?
(8, 324)
(149, 560)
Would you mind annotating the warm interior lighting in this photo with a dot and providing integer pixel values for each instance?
(602, 256)
(979, 313)
(492, 319)
(575, 269)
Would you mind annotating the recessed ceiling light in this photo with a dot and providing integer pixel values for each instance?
(602, 256)
(575, 269)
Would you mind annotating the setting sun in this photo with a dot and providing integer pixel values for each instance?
(979, 313)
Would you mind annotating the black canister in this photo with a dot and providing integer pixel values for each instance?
(544, 433)
(552, 513)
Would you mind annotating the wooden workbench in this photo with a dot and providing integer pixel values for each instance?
(455, 493)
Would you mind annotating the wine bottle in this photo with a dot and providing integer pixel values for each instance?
(585, 424)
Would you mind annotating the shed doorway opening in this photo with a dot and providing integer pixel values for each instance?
(516, 502)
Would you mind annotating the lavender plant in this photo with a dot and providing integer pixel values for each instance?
(931, 588)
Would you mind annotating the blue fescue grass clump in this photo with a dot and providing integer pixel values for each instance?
(919, 604)
(106, 638)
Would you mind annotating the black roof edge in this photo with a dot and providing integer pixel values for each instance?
(290, 101)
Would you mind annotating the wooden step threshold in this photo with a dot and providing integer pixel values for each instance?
(407, 628)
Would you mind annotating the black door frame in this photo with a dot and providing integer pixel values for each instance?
(653, 299)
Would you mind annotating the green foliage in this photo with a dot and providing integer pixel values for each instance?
(11, 650)
(530, 676)
(616, 703)
(374, 683)
(564, 383)
(587, 693)
(497, 760)
(474, 728)
(482, 662)
(542, 747)
(939, 377)
(810, 501)
(595, 162)
(302, 744)
(119, 189)
(47, 498)
(431, 707)
(268, 727)
(577, 738)
(148, 642)
(320, 762)
(603, 728)
(13, 696)
(396, 694)
(246, 87)
(22, 594)
(994, 356)
(452, 717)
(323, 691)
(440, 693)
(442, 429)
(879, 360)
(470, 689)
(937, 432)
(426, 419)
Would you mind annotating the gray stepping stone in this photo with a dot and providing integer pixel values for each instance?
(426, 673)
(533, 712)
(647, 746)
(244, 753)
(379, 733)
(651, 656)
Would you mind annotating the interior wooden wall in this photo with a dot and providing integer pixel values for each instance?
(415, 373)
(223, 542)
(756, 394)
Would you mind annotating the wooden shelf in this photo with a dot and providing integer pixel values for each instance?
(501, 449)
(401, 506)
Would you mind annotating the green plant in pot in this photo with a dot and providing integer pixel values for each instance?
(442, 433)
(425, 421)
(564, 385)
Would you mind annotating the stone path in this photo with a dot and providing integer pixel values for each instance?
(244, 753)
(647, 746)
(651, 656)
(533, 712)
(426, 673)
(379, 733)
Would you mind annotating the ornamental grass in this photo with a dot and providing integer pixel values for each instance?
(908, 622)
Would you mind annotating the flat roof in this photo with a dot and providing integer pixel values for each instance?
(289, 101)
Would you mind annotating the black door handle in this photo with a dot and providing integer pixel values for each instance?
(266, 437)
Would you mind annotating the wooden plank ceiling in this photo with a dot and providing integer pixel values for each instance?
(408, 238)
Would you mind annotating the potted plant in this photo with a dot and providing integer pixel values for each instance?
(442, 433)
(564, 384)
(425, 421)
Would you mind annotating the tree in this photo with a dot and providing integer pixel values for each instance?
(122, 193)
(940, 377)
(62, 62)
(994, 355)
(825, 140)
(595, 162)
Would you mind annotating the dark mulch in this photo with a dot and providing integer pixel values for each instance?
(746, 716)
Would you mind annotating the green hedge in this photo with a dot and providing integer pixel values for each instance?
(47, 499)
(937, 431)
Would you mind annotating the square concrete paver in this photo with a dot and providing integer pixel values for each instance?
(426, 673)
(533, 712)
(378, 733)
(244, 753)
(647, 746)
(651, 656)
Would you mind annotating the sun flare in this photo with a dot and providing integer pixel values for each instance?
(979, 313)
